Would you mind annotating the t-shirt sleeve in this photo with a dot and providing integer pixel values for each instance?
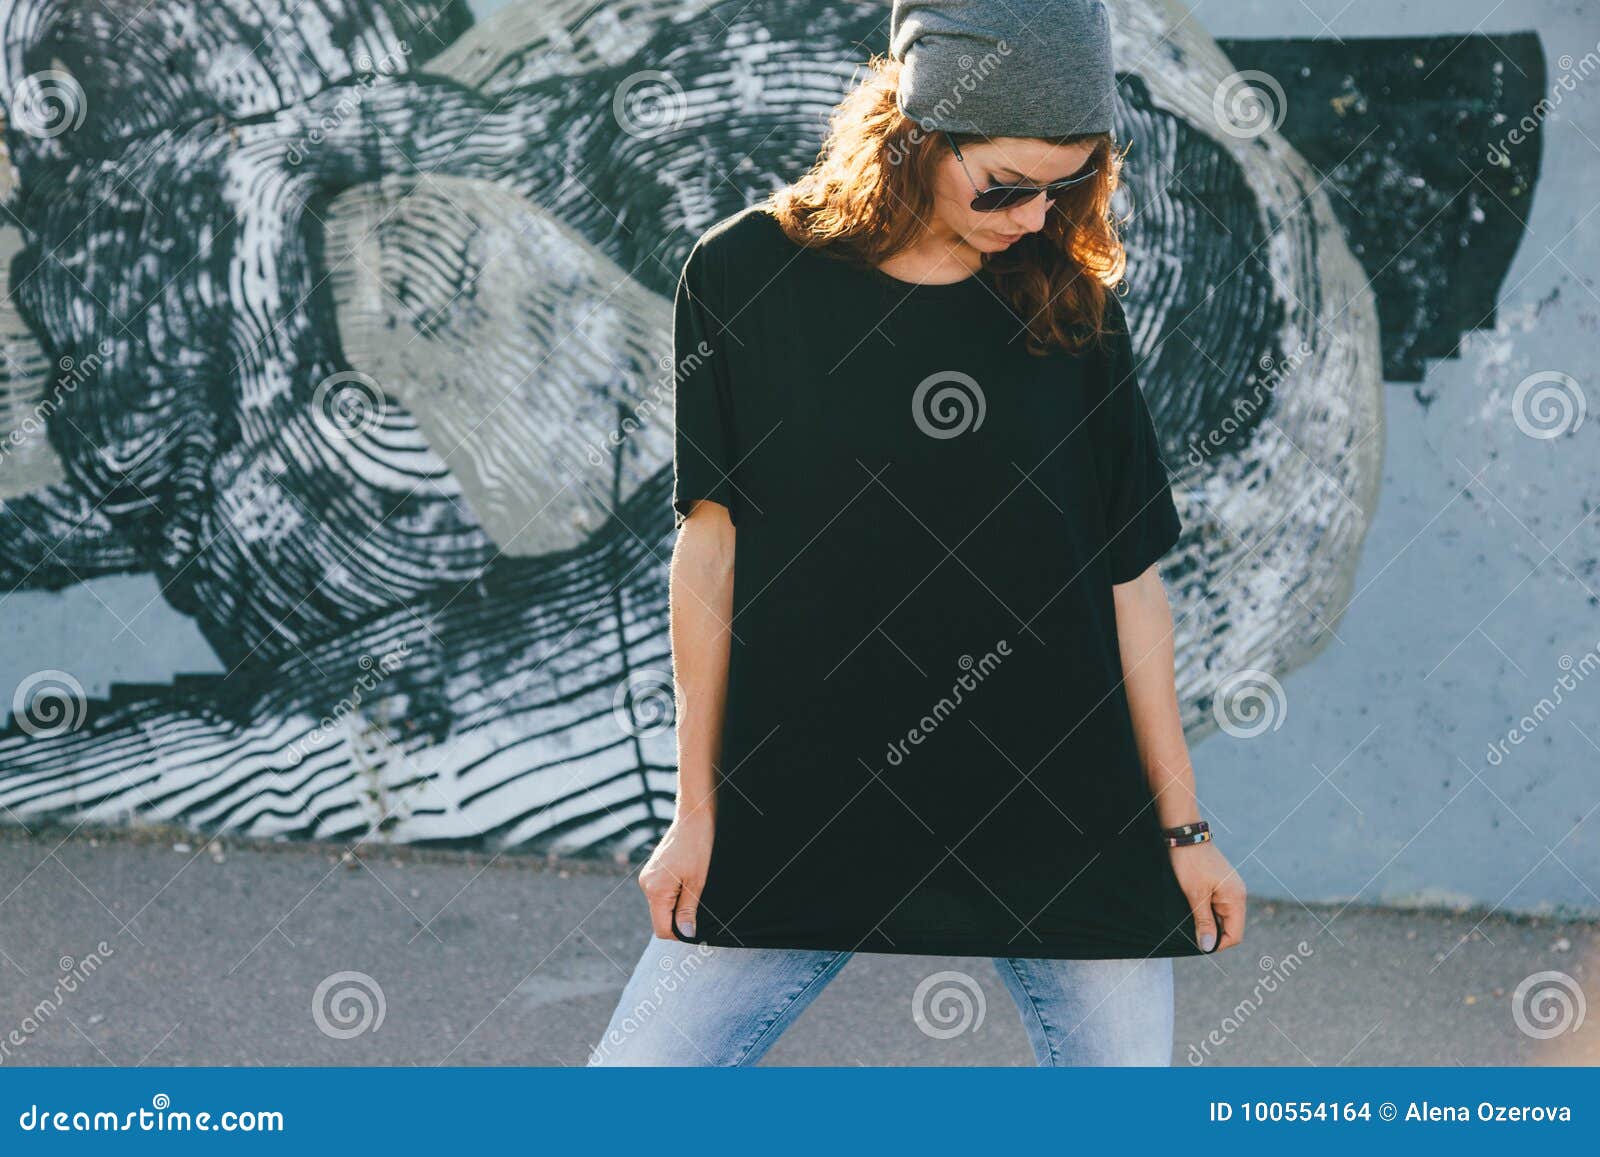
(703, 446)
(1142, 521)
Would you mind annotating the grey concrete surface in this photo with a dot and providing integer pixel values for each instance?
(213, 953)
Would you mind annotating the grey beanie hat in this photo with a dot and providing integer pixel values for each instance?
(1005, 68)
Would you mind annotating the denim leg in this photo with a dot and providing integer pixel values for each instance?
(692, 1004)
(1094, 1012)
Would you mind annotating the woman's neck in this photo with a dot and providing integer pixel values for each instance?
(935, 259)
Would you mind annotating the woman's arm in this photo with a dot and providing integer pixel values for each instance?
(700, 610)
(1144, 634)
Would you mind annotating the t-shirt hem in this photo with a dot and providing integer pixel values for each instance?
(1052, 948)
(682, 506)
(1163, 534)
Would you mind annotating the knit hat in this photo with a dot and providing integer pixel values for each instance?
(1005, 68)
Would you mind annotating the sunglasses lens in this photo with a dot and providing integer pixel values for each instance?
(998, 197)
(1002, 197)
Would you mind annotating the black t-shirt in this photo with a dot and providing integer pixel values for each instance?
(927, 746)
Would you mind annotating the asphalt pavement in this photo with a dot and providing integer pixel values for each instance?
(157, 948)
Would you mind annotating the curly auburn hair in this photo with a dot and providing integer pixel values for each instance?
(872, 186)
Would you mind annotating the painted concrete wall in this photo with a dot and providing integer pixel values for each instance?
(1393, 776)
(1380, 556)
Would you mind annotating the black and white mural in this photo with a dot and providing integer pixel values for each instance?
(348, 323)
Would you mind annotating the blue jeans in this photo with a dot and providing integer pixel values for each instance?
(692, 1004)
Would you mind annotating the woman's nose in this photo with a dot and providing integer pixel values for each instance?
(1029, 217)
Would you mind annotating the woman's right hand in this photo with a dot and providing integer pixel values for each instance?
(676, 872)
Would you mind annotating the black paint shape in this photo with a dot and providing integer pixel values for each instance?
(1402, 129)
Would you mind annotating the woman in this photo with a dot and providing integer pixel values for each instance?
(922, 645)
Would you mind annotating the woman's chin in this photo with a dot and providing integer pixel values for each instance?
(999, 242)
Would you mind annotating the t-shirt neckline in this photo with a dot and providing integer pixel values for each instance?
(922, 288)
(926, 286)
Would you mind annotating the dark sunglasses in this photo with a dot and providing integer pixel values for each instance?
(997, 197)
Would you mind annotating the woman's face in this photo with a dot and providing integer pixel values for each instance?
(1000, 161)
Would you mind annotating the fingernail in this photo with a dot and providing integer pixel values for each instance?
(687, 926)
(1208, 941)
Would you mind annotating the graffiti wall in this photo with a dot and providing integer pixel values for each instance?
(336, 405)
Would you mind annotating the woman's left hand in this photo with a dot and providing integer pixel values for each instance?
(1215, 893)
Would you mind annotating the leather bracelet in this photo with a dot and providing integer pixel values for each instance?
(1186, 834)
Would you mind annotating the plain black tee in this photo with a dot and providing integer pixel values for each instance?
(927, 746)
